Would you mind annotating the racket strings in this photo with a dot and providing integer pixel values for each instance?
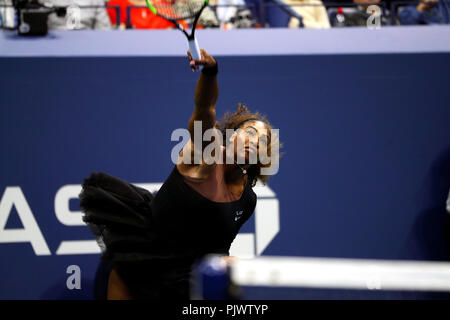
(178, 9)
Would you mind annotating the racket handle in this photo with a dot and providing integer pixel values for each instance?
(195, 50)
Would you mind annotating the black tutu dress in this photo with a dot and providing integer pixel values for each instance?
(153, 241)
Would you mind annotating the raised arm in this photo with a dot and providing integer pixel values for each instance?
(206, 92)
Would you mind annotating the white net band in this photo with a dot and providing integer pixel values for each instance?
(342, 273)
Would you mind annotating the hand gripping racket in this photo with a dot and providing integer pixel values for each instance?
(177, 10)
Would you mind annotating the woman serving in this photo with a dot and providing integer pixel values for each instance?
(151, 242)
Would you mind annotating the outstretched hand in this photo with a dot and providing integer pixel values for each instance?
(207, 61)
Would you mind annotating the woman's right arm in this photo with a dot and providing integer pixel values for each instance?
(206, 94)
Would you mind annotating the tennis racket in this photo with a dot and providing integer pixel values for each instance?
(177, 10)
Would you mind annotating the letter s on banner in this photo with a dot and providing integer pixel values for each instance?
(62, 200)
(72, 218)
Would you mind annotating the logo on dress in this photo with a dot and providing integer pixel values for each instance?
(238, 215)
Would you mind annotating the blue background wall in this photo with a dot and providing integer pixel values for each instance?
(365, 174)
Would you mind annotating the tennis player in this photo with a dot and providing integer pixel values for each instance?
(151, 242)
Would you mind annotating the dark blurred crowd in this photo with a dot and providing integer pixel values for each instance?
(360, 13)
(231, 14)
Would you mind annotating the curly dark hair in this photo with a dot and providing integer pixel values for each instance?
(234, 120)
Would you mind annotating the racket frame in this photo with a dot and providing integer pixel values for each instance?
(192, 41)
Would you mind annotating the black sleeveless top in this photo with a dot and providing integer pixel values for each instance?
(153, 241)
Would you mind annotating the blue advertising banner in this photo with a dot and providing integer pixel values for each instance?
(365, 171)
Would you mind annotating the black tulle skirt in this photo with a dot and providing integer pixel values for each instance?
(119, 215)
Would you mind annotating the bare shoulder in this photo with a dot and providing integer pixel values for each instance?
(195, 172)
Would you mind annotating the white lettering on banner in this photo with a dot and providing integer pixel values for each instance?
(74, 280)
(62, 206)
(78, 247)
(267, 222)
(30, 231)
(62, 201)
(267, 225)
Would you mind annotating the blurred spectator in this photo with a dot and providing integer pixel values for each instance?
(7, 15)
(448, 203)
(140, 18)
(447, 230)
(233, 14)
(208, 17)
(426, 12)
(313, 13)
(143, 18)
(242, 19)
(78, 17)
(354, 16)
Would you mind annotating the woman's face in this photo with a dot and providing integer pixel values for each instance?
(251, 141)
